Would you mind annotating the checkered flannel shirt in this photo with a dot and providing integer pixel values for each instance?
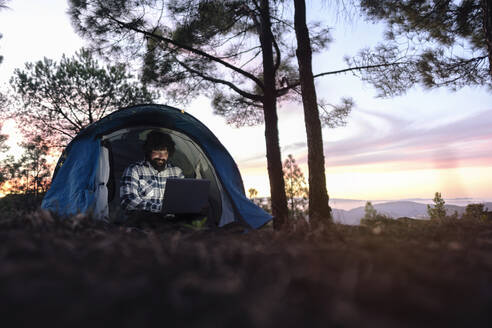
(142, 186)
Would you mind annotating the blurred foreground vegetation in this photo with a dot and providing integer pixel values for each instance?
(393, 273)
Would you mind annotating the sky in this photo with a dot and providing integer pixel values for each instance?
(404, 147)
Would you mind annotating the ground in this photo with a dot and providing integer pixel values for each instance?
(80, 273)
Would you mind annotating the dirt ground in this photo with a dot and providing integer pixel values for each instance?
(78, 273)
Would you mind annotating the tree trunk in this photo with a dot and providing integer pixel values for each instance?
(274, 159)
(319, 210)
(487, 26)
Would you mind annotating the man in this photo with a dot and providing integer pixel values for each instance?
(143, 183)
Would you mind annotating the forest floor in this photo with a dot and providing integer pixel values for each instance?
(81, 273)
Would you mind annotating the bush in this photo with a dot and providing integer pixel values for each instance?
(378, 219)
(20, 202)
(475, 212)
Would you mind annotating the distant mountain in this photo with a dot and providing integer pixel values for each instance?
(351, 211)
(395, 210)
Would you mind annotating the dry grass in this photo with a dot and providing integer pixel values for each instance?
(400, 274)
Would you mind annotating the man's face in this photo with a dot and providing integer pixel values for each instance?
(158, 159)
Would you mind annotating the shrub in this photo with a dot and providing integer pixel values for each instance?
(475, 212)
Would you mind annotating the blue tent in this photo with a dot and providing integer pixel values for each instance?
(86, 178)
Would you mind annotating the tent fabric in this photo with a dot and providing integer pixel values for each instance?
(70, 194)
(102, 177)
(78, 180)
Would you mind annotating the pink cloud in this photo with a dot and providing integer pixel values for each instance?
(398, 144)
(467, 142)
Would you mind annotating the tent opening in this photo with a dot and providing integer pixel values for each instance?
(125, 146)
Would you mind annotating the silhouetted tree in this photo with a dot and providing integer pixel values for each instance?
(370, 212)
(61, 98)
(319, 209)
(433, 43)
(252, 193)
(3, 148)
(11, 176)
(295, 184)
(35, 166)
(3, 138)
(474, 212)
(438, 211)
(29, 174)
(4, 101)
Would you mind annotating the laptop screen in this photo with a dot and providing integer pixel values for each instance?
(185, 196)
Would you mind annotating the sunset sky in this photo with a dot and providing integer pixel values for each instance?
(403, 147)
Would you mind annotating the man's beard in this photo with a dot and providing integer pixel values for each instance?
(159, 165)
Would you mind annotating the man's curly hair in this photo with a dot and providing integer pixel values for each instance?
(159, 141)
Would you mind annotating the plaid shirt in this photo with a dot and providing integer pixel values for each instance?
(142, 186)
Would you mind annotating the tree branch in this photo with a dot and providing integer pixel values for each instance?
(241, 53)
(220, 81)
(252, 58)
(357, 68)
(58, 109)
(283, 91)
(277, 51)
(193, 50)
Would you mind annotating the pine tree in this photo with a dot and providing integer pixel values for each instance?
(438, 211)
(35, 166)
(433, 43)
(29, 174)
(295, 185)
(319, 210)
(60, 98)
(370, 212)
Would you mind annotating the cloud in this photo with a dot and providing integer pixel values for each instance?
(294, 147)
(258, 158)
(395, 143)
(402, 144)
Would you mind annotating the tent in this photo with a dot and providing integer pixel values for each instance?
(86, 177)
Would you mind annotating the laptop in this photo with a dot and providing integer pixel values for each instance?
(185, 196)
